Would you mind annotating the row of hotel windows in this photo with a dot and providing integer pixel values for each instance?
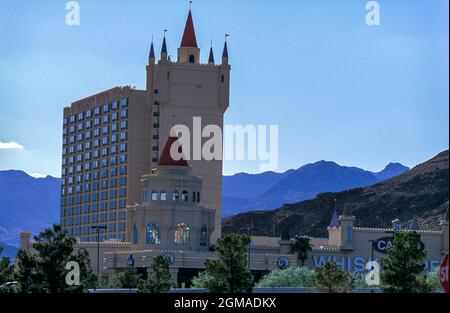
(86, 230)
(87, 145)
(96, 154)
(97, 122)
(94, 208)
(96, 111)
(66, 204)
(175, 196)
(96, 133)
(95, 176)
(95, 165)
(96, 196)
(102, 218)
(181, 237)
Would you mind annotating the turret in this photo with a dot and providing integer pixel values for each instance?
(164, 48)
(346, 221)
(151, 55)
(188, 52)
(414, 224)
(225, 53)
(211, 56)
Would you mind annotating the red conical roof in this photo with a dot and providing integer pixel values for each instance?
(189, 39)
(166, 159)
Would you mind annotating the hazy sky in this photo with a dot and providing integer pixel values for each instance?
(338, 89)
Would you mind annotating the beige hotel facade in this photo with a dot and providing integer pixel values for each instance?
(117, 171)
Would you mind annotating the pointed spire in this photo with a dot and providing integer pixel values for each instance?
(334, 220)
(164, 45)
(211, 55)
(225, 51)
(151, 55)
(189, 39)
(414, 224)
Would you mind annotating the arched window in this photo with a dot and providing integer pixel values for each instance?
(182, 234)
(175, 195)
(135, 234)
(163, 195)
(198, 196)
(203, 235)
(153, 234)
(154, 195)
(191, 59)
(145, 196)
(193, 196)
(184, 196)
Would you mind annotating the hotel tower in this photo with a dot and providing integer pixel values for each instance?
(112, 138)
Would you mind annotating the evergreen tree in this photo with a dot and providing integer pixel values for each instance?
(229, 273)
(45, 270)
(404, 265)
(332, 279)
(159, 280)
(127, 278)
(290, 277)
(302, 245)
(6, 269)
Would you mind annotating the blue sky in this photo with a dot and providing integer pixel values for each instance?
(338, 89)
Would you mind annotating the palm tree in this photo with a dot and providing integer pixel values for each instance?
(302, 245)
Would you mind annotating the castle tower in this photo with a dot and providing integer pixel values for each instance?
(346, 221)
(170, 215)
(179, 91)
(334, 230)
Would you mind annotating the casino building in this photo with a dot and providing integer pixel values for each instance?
(118, 172)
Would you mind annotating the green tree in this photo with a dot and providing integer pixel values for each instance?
(127, 278)
(359, 279)
(404, 265)
(159, 280)
(6, 269)
(203, 280)
(332, 279)
(45, 270)
(229, 273)
(433, 280)
(302, 245)
(290, 277)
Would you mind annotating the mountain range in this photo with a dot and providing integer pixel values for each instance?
(26, 203)
(423, 191)
(269, 190)
(30, 203)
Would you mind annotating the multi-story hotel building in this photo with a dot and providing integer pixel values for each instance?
(105, 151)
(112, 138)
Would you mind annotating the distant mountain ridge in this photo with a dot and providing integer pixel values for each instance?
(423, 190)
(8, 251)
(26, 203)
(32, 204)
(245, 192)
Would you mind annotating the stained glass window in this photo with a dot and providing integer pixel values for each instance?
(182, 234)
(153, 234)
